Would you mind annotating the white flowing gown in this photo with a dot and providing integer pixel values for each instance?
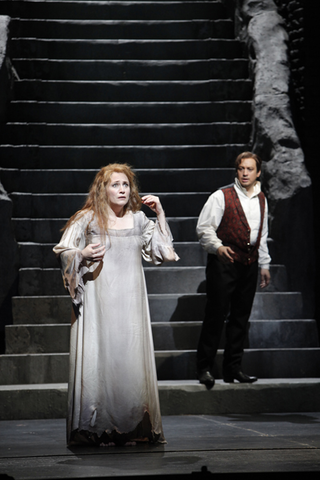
(112, 374)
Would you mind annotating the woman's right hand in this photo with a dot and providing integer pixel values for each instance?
(94, 252)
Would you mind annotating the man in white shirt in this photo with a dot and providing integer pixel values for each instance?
(233, 229)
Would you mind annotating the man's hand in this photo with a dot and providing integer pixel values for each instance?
(264, 277)
(225, 254)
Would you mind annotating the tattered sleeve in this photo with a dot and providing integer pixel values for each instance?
(157, 246)
(73, 266)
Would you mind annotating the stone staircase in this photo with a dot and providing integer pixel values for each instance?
(163, 86)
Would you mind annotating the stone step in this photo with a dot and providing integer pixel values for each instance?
(263, 363)
(50, 69)
(140, 156)
(124, 29)
(190, 307)
(55, 338)
(78, 181)
(114, 10)
(265, 396)
(261, 334)
(40, 255)
(129, 112)
(49, 229)
(171, 365)
(126, 49)
(34, 368)
(140, 91)
(163, 308)
(184, 397)
(40, 281)
(26, 205)
(48, 206)
(173, 279)
(126, 134)
(33, 401)
(45, 233)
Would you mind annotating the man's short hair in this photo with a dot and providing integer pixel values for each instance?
(245, 155)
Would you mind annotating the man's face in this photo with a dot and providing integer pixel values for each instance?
(247, 173)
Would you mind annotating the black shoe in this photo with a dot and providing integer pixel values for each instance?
(206, 378)
(240, 376)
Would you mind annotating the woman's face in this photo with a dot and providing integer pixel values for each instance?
(118, 191)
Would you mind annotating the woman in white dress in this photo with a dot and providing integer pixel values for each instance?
(113, 393)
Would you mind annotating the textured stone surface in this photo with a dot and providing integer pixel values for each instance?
(274, 135)
(293, 13)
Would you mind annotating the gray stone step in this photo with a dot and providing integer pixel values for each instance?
(52, 69)
(115, 29)
(126, 134)
(276, 305)
(132, 112)
(267, 395)
(79, 181)
(171, 365)
(37, 281)
(26, 205)
(34, 368)
(261, 334)
(53, 205)
(163, 308)
(184, 397)
(125, 91)
(40, 255)
(172, 279)
(114, 10)
(33, 401)
(49, 229)
(140, 156)
(55, 338)
(263, 363)
(126, 49)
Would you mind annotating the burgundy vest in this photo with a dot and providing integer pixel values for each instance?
(234, 230)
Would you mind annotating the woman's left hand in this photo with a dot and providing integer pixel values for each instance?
(153, 203)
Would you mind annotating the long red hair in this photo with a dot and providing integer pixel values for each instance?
(97, 201)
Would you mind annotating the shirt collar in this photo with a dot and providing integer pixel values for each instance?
(256, 188)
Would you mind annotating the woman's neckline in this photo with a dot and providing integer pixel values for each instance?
(128, 228)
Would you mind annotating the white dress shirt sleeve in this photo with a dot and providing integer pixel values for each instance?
(264, 257)
(209, 221)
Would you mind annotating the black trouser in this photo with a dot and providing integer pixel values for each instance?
(230, 289)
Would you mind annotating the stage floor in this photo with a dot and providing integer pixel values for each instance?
(36, 449)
